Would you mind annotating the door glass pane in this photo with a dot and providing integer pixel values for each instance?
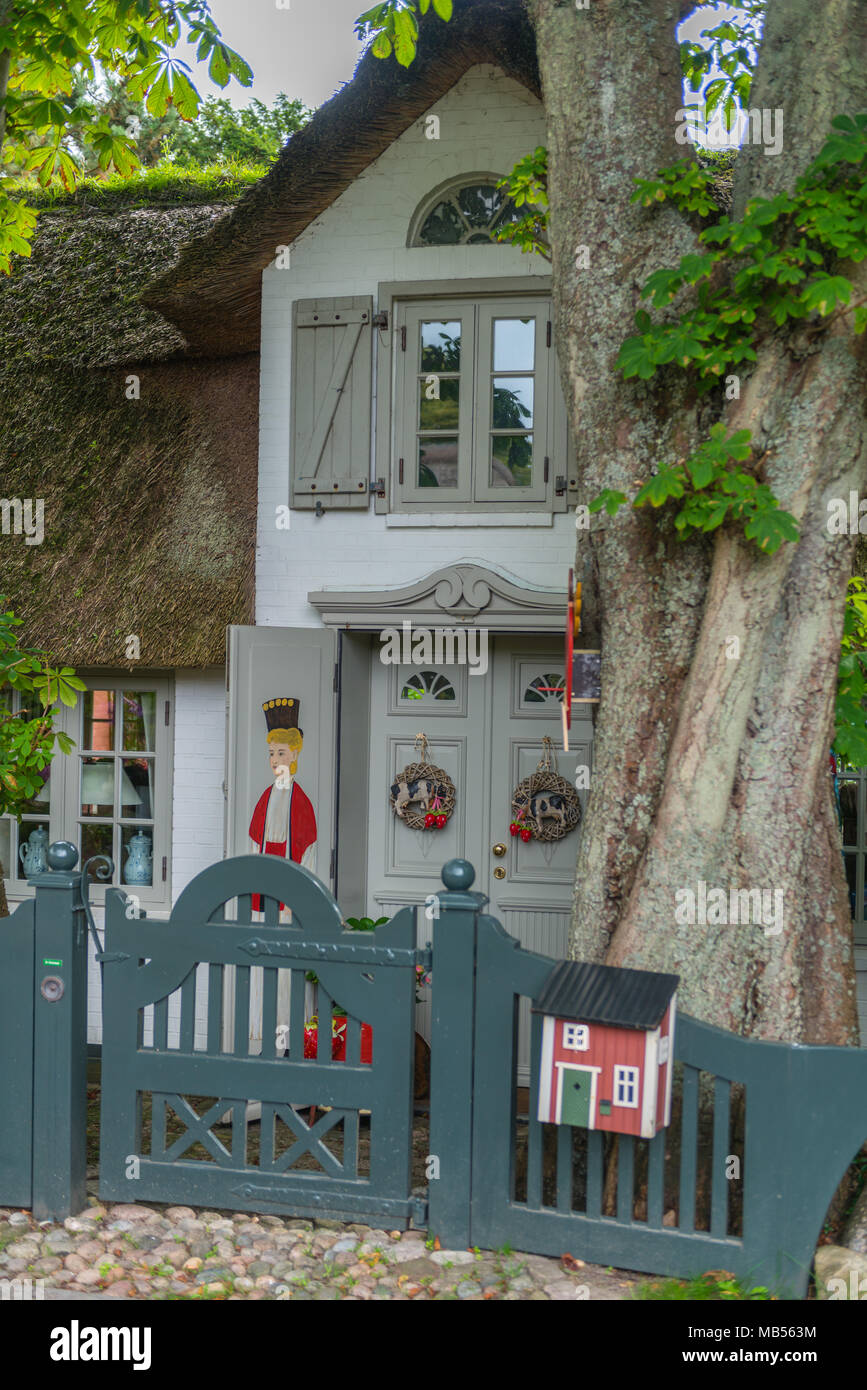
(849, 811)
(441, 346)
(96, 839)
(438, 462)
(513, 403)
(137, 855)
(97, 787)
(139, 720)
(98, 720)
(511, 460)
(438, 404)
(136, 788)
(514, 345)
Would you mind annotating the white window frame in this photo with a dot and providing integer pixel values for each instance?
(474, 491)
(626, 1079)
(580, 1032)
(63, 817)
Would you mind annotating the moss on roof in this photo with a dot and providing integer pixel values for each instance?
(150, 498)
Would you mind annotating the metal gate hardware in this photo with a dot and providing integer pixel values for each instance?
(52, 989)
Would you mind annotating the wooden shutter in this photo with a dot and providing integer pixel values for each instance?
(266, 663)
(331, 401)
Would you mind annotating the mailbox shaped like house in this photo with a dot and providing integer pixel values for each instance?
(607, 1048)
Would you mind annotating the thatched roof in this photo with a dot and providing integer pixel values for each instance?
(149, 502)
(213, 292)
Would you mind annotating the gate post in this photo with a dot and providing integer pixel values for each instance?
(453, 972)
(59, 1040)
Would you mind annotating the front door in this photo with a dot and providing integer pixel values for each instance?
(576, 1108)
(486, 731)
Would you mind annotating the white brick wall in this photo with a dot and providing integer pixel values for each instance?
(487, 122)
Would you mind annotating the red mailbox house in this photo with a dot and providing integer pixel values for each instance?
(607, 1048)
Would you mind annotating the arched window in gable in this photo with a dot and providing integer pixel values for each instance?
(462, 212)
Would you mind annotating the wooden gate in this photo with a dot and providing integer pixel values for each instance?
(191, 1113)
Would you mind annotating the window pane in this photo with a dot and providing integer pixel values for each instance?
(438, 405)
(7, 847)
(441, 346)
(139, 720)
(41, 799)
(438, 462)
(442, 227)
(511, 460)
(33, 839)
(97, 787)
(513, 403)
(137, 788)
(514, 345)
(137, 856)
(849, 811)
(479, 202)
(98, 720)
(96, 839)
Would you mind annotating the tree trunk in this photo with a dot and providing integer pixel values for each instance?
(711, 756)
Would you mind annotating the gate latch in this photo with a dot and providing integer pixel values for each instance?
(52, 989)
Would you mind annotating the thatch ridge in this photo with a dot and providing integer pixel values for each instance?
(212, 294)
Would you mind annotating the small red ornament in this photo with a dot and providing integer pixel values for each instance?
(526, 835)
(514, 828)
(441, 820)
(429, 820)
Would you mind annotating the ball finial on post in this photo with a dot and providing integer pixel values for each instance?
(62, 856)
(458, 875)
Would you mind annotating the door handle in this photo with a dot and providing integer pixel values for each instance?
(498, 850)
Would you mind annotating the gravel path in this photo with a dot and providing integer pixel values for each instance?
(154, 1252)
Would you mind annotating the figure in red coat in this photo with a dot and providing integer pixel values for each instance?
(284, 822)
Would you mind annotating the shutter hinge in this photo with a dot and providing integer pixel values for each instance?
(167, 714)
(559, 485)
(379, 487)
(547, 464)
(165, 867)
(380, 320)
(400, 470)
(335, 685)
(424, 957)
(419, 1212)
(548, 334)
(403, 338)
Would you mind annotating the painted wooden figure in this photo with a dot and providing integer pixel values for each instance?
(607, 1048)
(284, 822)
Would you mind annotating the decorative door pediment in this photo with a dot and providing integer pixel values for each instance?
(463, 593)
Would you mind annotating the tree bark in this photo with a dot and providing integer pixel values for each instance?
(709, 767)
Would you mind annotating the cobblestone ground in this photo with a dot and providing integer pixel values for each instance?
(178, 1253)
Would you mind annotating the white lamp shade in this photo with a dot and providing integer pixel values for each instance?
(97, 786)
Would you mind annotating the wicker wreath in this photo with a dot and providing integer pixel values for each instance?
(422, 794)
(545, 803)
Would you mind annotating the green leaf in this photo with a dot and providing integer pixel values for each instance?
(610, 499)
(184, 96)
(443, 8)
(158, 96)
(381, 47)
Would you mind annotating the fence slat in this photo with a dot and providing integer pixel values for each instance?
(239, 1133)
(269, 1011)
(161, 1025)
(564, 1168)
(266, 1138)
(688, 1150)
(535, 1132)
(656, 1180)
(187, 1021)
(215, 1009)
(296, 1016)
(719, 1182)
(594, 1172)
(242, 1011)
(325, 1010)
(158, 1125)
(350, 1143)
(625, 1176)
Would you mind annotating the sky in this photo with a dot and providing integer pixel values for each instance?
(308, 48)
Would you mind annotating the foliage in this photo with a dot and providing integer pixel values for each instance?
(850, 736)
(527, 186)
(167, 183)
(715, 1286)
(53, 46)
(751, 278)
(254, 135)
(394, 27)
(28, 739)
(732, 48)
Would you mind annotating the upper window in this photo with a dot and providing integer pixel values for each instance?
(462, 214)
(475, 404)
(576, 1036)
